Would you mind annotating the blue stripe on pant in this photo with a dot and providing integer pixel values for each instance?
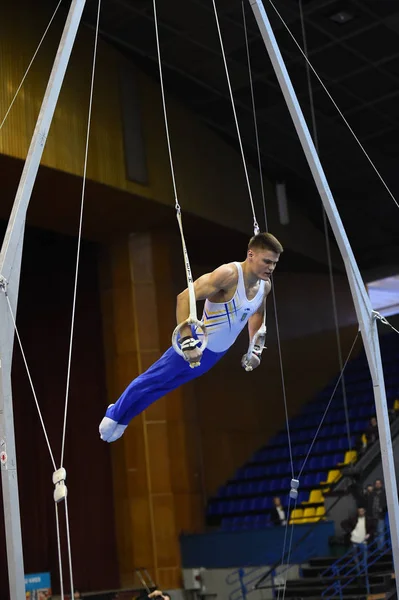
(166, 374)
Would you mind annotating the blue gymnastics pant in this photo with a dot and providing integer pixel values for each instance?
(166, 374)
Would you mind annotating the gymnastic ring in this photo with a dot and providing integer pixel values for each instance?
(201, 346)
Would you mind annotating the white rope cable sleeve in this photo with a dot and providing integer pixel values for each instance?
(256, 226)
(337, 108)
(68, 379)
(190, 283)
(31, 381)
(29, 66)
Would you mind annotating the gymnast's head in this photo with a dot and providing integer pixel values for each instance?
(263, 254)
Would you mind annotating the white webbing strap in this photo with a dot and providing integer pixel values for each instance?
(189, 276)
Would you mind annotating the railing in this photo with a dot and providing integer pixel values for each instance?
(348, 568)
(247, 580)
(244, 581)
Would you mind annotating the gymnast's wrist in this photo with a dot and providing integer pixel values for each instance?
(185, 331)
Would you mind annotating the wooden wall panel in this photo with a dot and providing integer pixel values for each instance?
(189, 511)
(161, 448)
(209, 172)
(165, 531)
(141, 531)
(185, 458)
(159, 462)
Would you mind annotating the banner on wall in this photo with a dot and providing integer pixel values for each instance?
(38, 586)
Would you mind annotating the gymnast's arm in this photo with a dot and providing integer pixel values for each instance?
(256, 320)
(205, 286)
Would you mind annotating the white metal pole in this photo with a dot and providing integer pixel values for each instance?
(10, 267)
(364, 311)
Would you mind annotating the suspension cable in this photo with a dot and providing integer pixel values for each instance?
(328, 404)
(29, 376)
(326, 230)
(283, 386)
(266, 225)
(336, 106)
(29, 66)
(287, 562)
(82, 202)
(256, 226)
(383, 320)
(193, 318)
(262, 186)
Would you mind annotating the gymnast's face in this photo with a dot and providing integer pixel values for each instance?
(262, 262)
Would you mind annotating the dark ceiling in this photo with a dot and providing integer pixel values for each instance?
(357, 59)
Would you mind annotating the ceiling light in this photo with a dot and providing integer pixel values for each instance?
(342, 16)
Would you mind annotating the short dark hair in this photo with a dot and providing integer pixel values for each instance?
(265, 241)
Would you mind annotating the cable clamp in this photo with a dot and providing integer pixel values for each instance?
(3, 284)
(376, 315)
(60, 490)
(294, 489)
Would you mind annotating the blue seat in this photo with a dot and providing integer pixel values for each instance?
(338, 429)
(310, 479)
(258, 504)
(315, 463)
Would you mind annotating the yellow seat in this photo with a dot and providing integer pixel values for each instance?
(296, 516)
(396, 404)
(350, 457)
(333, 476)
(309, 515)
(364, 440)
(320, 512)
(316, 497)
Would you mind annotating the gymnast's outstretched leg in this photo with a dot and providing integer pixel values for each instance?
(165, 375)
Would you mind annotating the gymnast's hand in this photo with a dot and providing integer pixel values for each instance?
(190, 349)
(253, 361)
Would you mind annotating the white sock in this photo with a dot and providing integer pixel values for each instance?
(118, 432)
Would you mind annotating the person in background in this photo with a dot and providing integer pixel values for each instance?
(367, 500)
(378, 511)
(361, 531)
(372, 432)
(278, 515)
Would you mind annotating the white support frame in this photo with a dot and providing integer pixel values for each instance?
(364, 311)
(10, 268)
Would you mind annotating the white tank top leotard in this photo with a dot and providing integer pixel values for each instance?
(225, 320)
